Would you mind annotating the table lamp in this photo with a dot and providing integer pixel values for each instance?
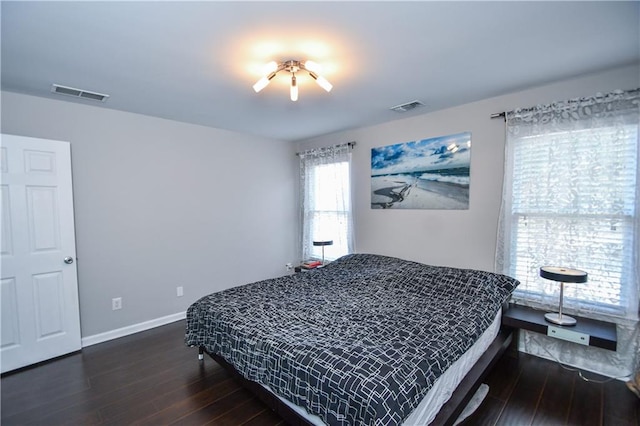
(562, 275)
(323, 243)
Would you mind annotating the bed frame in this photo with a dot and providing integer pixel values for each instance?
(447, 415)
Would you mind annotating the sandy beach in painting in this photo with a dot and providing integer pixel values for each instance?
(411, 192)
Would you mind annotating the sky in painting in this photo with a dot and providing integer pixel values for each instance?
(422, 156)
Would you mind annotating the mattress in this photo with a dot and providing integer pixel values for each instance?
(442, 389)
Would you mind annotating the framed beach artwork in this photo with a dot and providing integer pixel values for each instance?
(426, 174)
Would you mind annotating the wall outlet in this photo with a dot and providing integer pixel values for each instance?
(179, 291)
(116, 303)
(289, 266)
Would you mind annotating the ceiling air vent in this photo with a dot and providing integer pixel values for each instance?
(78, 93)
(407, 107)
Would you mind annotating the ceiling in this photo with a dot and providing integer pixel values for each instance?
(197, 61)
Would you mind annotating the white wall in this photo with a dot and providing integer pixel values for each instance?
(460, 238)
(160, 203)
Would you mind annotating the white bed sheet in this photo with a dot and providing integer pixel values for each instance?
(442, 389)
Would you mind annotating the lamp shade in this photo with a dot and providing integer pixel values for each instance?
(563, 275)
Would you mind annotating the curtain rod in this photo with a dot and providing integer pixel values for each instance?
(565, 104)
(590, 100)
(350, 144)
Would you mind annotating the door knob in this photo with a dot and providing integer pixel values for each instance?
(68, 260)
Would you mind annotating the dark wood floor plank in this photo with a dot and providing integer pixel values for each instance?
(79, 415)
(48, 390)
(265, 418)
(103, 395)
(239, 415)
(620, 403)
(123, 405)
(215, 383)
(136, 350)
(523, 401)
(555, 401)
(219, 407)
(145, 404)
(502, 380)
(586, 404)
(194, 399)
(119, 387)
(616, 421)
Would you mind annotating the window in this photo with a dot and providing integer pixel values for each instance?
(570, 199)
(326, 202)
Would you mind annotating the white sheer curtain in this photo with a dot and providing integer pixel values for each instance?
(570, 198)
(325, 185)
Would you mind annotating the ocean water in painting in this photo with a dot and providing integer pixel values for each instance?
(427, 174)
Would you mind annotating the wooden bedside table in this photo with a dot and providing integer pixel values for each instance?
(586, 332)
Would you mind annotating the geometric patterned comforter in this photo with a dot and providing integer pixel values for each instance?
(360, 341)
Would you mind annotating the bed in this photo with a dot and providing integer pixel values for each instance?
(362, 340)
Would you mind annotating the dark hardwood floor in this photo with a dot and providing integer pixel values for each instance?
(151, 378)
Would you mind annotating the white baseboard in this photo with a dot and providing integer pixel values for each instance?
(131, 329)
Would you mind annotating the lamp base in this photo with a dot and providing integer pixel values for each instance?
(560, 320)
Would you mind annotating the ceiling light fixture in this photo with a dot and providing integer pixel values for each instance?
(273, 68)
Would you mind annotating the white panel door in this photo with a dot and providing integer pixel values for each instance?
(39, 286)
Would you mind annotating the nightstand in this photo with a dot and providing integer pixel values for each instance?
(586, 332)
